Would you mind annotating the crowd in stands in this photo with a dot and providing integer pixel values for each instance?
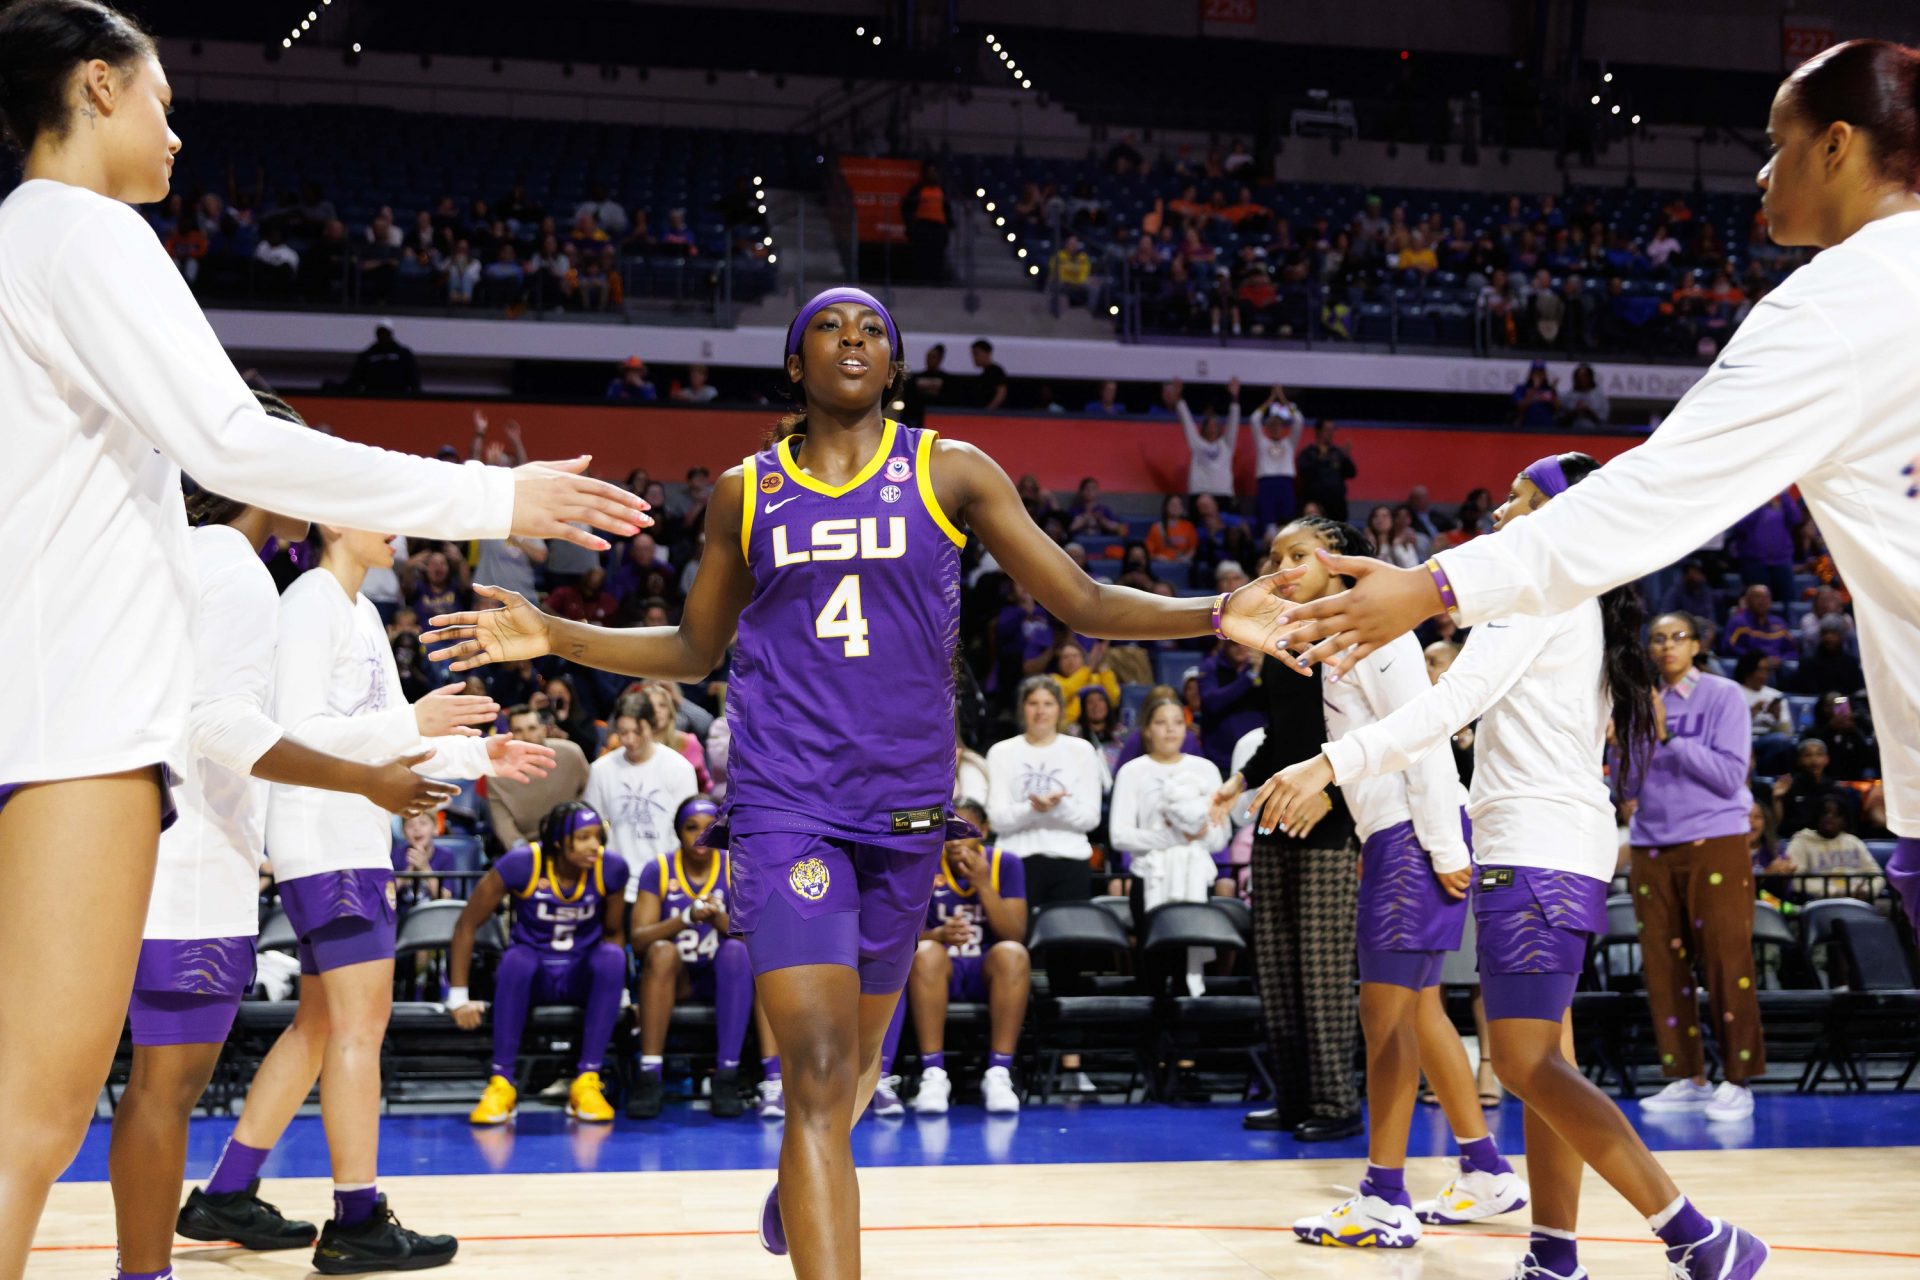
(1130, 741)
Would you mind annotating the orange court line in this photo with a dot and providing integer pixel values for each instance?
(1041, 1226)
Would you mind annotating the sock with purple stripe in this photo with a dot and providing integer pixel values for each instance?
(652, 1066)
(770, 1067)
(353, 1204)
(1388, 1184)
(1557, 1251)
(932, 1061)
(238, 1166)
(1482, 1155)
(1680, 1224)
(1000, 1060)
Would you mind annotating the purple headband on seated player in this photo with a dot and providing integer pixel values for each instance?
(827, 299)
(1547, 476)
(693, 807)
(579, 820)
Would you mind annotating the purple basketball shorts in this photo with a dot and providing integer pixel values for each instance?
(804, 898)
(1903, 873)
(1533, 929)
(1406, 921)
(186, 990)
(341, 917)
(968, 981)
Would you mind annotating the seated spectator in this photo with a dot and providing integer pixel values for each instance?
(1172, 536)
(1755, 628)
(569, 715)
(569, 907)
(1764, 544)
(1691, 594)
(1829, 613)
(416, 855)
(586, 601)
(973, 949)
(463, 275)
(1230, 699)
(504, 281)
(1581, 310)
(516, 808)
(1079, 670)
(1546, 311)
(1108, 404)
(1418, 256)
(668, 730)
(1044, 796)
(1159, 817)
(680, 936)
(1830, 668)
(595, 288)
(696, 389)
(1498, 306)
(550, 275)
(1071, 269)
(630, 385)
(603, 210)
(188, 246)
(639, 238)
(274, 252)
(1829, 847)
(1801, 791)
(1586, 404)
(1853, 754)
(1099, 720)
(1773, 744)
(434, 582)
(1089, 516)
(1535, 401)
(678, 236)
(1223, 537)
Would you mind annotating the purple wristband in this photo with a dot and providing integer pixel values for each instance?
(1219, 605)
(1448, 600)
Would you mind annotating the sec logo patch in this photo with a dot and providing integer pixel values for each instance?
(890, 493)
(771, 483)
(898, 468)
(809, 879)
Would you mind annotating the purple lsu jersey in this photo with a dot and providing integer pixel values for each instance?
(547, 918)
(667, 879)
(1009, 879)
(841, 695)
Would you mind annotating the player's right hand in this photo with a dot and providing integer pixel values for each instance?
(549, 498)
(513, 632)
(956, 932)
(395, 787)
(467, 1016)
(450, 710)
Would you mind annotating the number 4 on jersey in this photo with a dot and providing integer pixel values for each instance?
(842, 619)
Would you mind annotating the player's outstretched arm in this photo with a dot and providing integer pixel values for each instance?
(485, 900)
(519, 630)
(973, 485)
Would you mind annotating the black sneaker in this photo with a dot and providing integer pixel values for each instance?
(379, 1243)
(242, 1217)
(643, 1100)
(727, 1102)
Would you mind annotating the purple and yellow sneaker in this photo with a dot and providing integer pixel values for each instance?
(773, 1231)
(1728, 1253)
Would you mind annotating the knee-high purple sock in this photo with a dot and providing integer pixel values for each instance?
(607, 974)
(238, 1166)
(732, 1000)
(1903, 873)
(512, 997)
(891, 1045)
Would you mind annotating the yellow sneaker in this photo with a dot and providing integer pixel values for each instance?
(586, 1100)
(497, 1103)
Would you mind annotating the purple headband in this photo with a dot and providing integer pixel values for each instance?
(579, 820)
(827, 299)
(1547, 476)
(692, 807)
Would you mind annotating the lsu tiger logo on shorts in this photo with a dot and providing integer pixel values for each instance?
(393, 896)
(809, 879)
(771, 482)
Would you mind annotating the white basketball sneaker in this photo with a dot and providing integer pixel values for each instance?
(1730, 1102)
(1528, 1269)
(936, 1091)
(1681, 1095)
(1361, 1222)
(1472, 1195)
(1001, 1097)
(772, 1104)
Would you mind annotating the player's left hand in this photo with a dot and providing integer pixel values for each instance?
(1252, 615)
(1384, 604)
(1282, 803)
(956, 932)
(467, 1016)
(1456, 883)
(519, 761)
(512, 633)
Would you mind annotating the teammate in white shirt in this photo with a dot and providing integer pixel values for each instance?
(1818, 388)
(638, 788)
(113, 379)
(1414, 873)
(197, 957)
(336, 685)
(1545, 691)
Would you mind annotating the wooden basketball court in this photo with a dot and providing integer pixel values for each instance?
(1827, 1212)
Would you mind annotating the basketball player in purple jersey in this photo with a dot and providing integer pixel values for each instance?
(680, 925)
(569, 947)
(845, 595)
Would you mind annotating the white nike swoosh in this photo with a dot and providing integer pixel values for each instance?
(772, 507)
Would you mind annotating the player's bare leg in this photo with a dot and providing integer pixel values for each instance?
(289, 1071)
(360, 999)
(1444, 1059)
(148, 1155)
(63, 1073)
(927, 994)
